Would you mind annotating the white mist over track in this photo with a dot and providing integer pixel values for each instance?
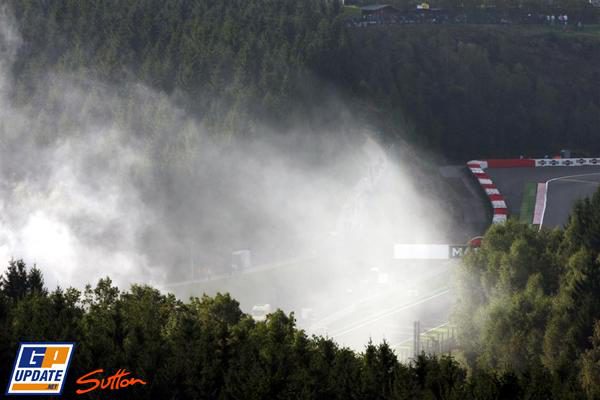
(97, 181)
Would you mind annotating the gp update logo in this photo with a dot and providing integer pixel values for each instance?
(40, 368)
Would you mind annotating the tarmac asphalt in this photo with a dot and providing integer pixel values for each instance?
(563, 192)
(566, 186)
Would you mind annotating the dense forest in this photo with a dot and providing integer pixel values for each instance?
(231, 62)
(527, 309)
(528, 303)
(465, 91)
(483, 92)
(207, 349)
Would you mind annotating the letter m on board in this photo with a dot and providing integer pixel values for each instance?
(457, 251)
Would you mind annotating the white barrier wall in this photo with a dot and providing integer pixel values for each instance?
(566, 162)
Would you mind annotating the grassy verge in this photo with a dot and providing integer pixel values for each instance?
(351, 11)
(528, 202)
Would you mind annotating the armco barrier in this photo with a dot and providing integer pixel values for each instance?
(500, 211)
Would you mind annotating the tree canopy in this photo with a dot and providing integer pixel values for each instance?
(205, 347)
(463, 91)
(528, 302)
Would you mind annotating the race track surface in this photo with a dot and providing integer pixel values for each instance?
(562, 193)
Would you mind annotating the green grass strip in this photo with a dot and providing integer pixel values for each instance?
(351, 11)
(528, 202)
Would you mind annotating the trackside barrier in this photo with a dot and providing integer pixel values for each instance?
(566, 162)
(511, 163)
(500, 211)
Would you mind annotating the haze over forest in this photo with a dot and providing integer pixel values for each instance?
(147, 140)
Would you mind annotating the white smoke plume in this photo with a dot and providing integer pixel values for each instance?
(97, 180)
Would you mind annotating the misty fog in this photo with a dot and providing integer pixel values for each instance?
(98, 180)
